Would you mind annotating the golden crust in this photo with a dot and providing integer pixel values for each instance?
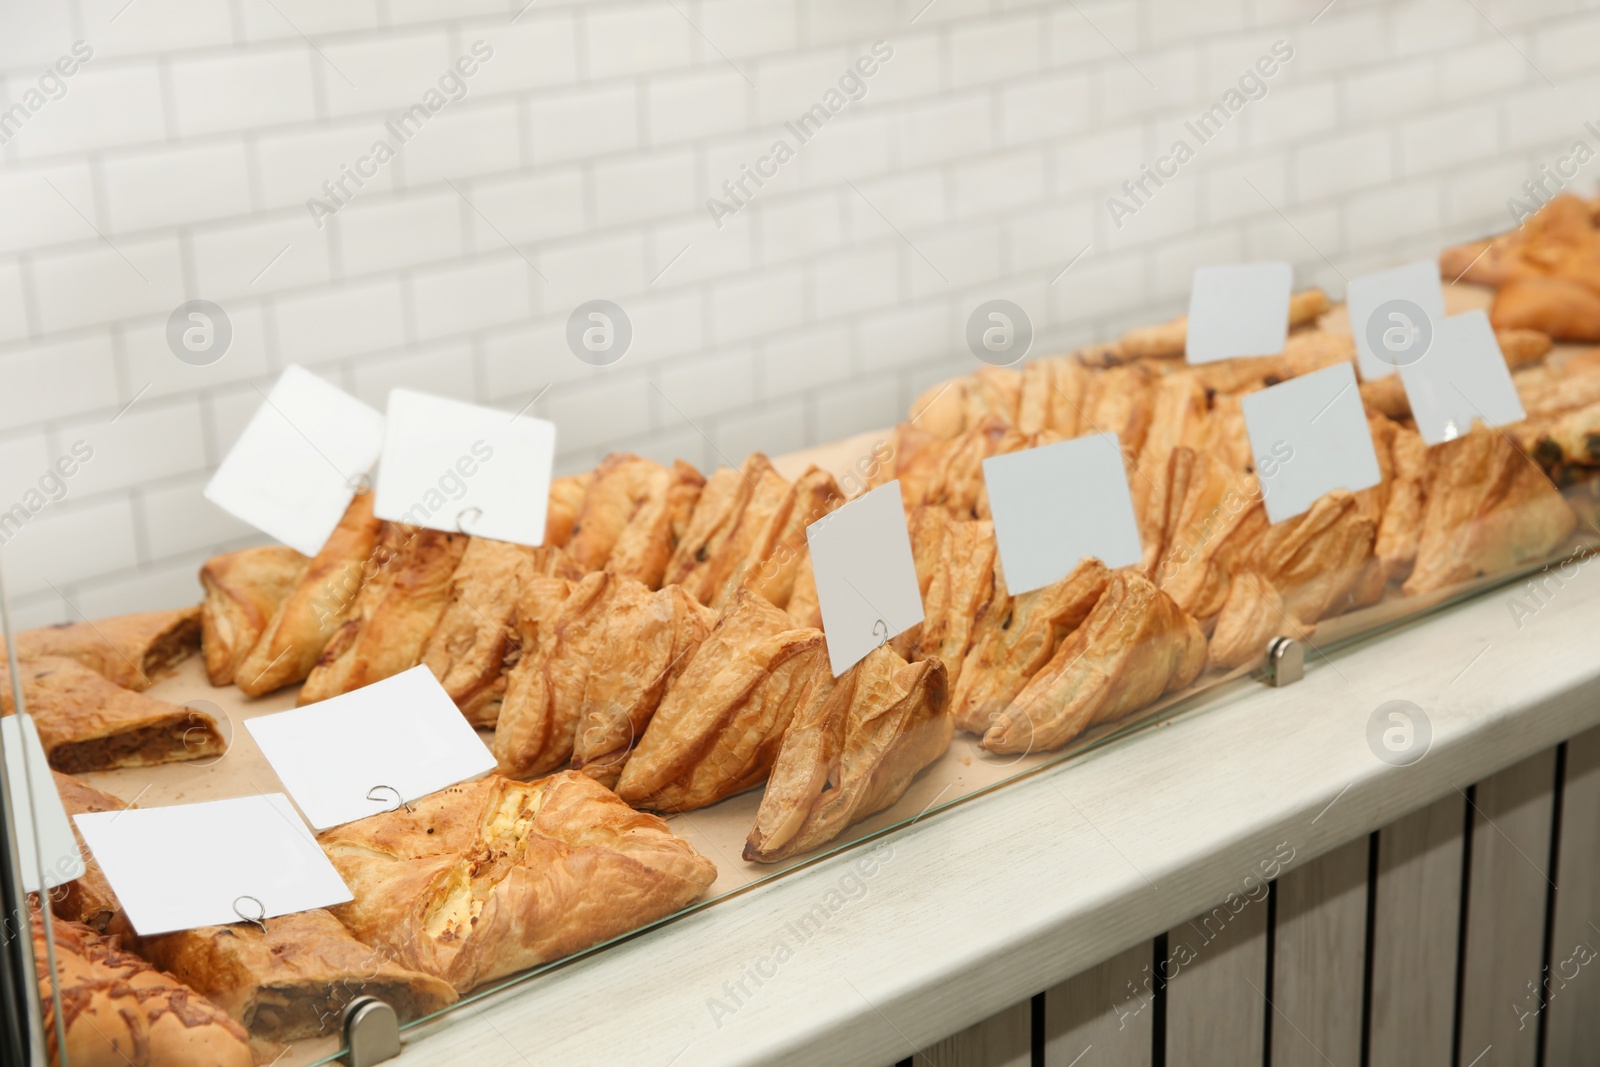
(1134, 646)
(295, 979)
(717, 729)
(122, 1012)
(650, 537)
(851, 750)
(1212, 514)
(771, 571)
(484, 879)
(85, 723)
(696, 561)
(395, 613)
(242, 591)
(962, 589)
(752, 538)
(1401, 526)
(88, 899)
(317, 606)
(566, 499)
(132, 651)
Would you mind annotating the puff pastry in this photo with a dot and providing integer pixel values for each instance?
(647, 542)
(852, 750)
(295, 979)
(566, 500)
(484, 879)
(771, 568)
(963, 587)
(132, 651)
(1134, 646)
(395, 613)
(719, 725)
(242, 591)
(716, 515)
(88, 899)
(122, 1012)
(85, 723)
(316, 607)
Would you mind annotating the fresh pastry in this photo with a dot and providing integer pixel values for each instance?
(1387, 396)
(770, 570)
(1401, 526)
(86, 723)
(561, 630)
(566, 500)
(316, 607)
(1121, 401)
(242, 591)
(89, 898)
(719, 725)
(1570, 438)
(1563, 307)
(627, 489)
(953, 407)
(716, 515)
(1134, 646)
(121, 1012)
(476, 641)
(804, 609)
(132, 651)
(650, 537)
(1178, 405)
(295, 979)
(1547, 271)
(1489, 508)
(1212, 514)
(1052, 396)
(750, 538)
(962, 590)
(1169, 340)
(485, 879)
(852, 750)
(395, 612)
(1016, 638)
(648, 641)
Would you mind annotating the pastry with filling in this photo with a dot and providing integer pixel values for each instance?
(647, 542)
(648, 642)
(133, 651)
(722, 719)
(88, 899)
(242, 591)
(86, 723)
(715, 518)
(963, 587)
(476, 640)
(481, 880)
(638, 505)
(295, 979)
(804, 608)
(852, 750)
(750, 538)
(1211, 515)
(396, 611)
(316, 607)
(770, 569)
(121, 1012)
(566, 500)
(1016, 638)
(1052, 396)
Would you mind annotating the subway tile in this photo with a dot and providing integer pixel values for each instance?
(645, 187)
(470, 138)
(250, 259)
(167, 585)
(382, 234)
(392, 73)
(526, 207)
(106, 281)
(338, 322)
(47, 205)
(13, 309)
(153, 370)
(244, 90)
(471, 296)
(698, 104)
(103, 107)
(51, 379)
(155, 26)
(294, 166)
(579, 124)
(707, 385)
(766, 303)
(172, 186)
(68, 542)
(636, 38)
(152, 440)
(444, 370)
(536, 51)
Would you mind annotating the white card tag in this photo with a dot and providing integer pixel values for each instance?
(1463, 377)
(866, 579)
(210, 864)
(57, 848)
(300, 460)
(453, 466)
(1056, 504)
(1309, 436)
(1236, 310)
(366, 751)
(1393, 315)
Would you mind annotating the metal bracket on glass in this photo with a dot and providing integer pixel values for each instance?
(371, 1032)
(1286, 661)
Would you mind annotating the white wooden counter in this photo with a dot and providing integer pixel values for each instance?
(977, 908)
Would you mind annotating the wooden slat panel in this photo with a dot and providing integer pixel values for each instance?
(1416, 930)
(1320, 947)
(1217, 971)
(1106, 1009)
(1004, 1040)
(1505, 911)
(1573, 1015)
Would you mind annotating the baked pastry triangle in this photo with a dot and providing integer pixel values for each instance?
(647, 542)
(133, 651)
(716, 515)
(242, 591)
(566, 500)
(770, 568)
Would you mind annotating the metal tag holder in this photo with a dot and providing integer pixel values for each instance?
(1286, 661)
(371, 1032)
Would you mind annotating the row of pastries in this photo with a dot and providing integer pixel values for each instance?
(663, 651)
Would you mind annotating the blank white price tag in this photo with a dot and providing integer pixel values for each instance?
(1238, 310)
(212, 863)
(866, 579)
(1309, 436)
(365, 751)
(1464, 376)
(1056, 504)
(448, 465)
(1393, 315)
(300, 460)
(57, 848)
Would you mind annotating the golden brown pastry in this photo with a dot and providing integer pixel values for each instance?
(122, 1012)
(964, 587)
(242, 590)
(1542, 244)
(1489, 508)
(295, 979)
(476, 640)
(132, 651)
(1212, 515)
(1016, 638)
(1178, 404)
(648, 641)
(1564, 382)
(317, 606)
(1052, 396)
(716, 516)
(804, 609)
(626, 488)
(851, 751)
(395, 613)
(750, 539)
(1562, 307)
(1571, 438)
(1401, 525)
(1134, 646)
(770, 570)
(566, 500)
(85, 723)
(719, 725)
(1121, 401)
(949, 408)
(647, 542)
(484, 879)
(88, 899)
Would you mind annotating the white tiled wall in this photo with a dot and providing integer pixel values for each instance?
(178, 163)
